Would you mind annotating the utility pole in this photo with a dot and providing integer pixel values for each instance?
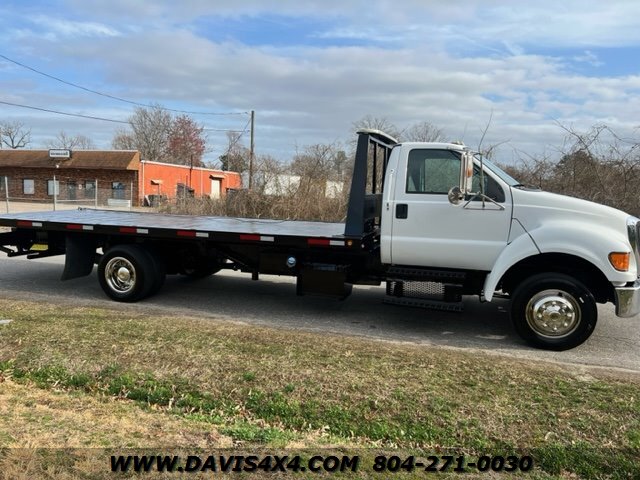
(252, 149)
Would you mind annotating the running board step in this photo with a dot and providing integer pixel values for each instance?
(431, 295)
(425, 275)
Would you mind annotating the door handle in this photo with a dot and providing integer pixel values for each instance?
(402, 210)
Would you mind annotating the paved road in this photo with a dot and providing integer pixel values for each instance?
(272, 301)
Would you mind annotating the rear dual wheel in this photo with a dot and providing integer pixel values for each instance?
(128, 273)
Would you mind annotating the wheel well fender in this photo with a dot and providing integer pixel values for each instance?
(579, 268)
(522, 247)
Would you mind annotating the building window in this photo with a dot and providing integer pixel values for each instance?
(90, 189)
(117, 191)
(28, 186)
(53, 186)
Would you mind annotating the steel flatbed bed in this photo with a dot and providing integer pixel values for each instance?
(112, 222)
(316, 252)
(134, 251)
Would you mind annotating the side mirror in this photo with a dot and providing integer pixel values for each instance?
(458, 193)
(466, 172)
(455, 195)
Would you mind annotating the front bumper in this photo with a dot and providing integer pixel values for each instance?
(628, 300)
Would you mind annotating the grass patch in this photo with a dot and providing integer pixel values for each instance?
(283, 389)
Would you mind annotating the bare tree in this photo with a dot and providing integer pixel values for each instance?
(123, 140)
(377, 123)
(422, 132)
(68, 142)
(236, 158)
(418, 132)
(161, 137)
(597, 165)
(14, 135)
(150, 130)
(268, 175)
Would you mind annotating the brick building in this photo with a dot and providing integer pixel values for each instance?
(104, 177)
(170, 180)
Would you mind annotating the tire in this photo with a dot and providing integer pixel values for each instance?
(128, 273)
(553, 311)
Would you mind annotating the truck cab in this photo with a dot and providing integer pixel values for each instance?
(446, 210)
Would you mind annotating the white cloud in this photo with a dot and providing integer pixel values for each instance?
(590, 58)
(454, 64)
(571, 23)
(63, 29)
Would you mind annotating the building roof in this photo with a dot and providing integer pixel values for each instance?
(82, 159)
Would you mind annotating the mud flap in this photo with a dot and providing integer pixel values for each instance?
(323, 280)
(80, 256)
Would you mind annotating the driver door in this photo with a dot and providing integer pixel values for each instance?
(428, 231)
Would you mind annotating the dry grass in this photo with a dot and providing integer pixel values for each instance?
(35, 424)
(37, 418)
(286, 389)
(301, 205)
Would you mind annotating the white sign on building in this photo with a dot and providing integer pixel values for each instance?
(59, 153)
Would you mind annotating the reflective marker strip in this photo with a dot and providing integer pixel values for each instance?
(320, 242)
(325, 242)
(26, 223)
(74, 226)
(249, 237)
(133, 230)
(192, 233)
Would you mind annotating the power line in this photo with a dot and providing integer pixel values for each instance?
(113, 97)
(241, 132)
(63, 113)
(93, 117)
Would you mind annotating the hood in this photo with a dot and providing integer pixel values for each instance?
(531, 207)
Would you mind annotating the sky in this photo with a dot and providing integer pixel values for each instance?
(521, 71)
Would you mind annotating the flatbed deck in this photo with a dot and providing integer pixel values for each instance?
(217, 229)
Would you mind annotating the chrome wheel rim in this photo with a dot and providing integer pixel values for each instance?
(120, 275)
(553, 313)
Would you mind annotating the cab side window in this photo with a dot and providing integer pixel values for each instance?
(432, 171)
(436, 171)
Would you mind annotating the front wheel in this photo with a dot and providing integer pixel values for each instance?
(553, 311)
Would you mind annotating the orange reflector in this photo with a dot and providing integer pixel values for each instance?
(620, 261)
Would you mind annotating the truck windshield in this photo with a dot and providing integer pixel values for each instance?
(504, 176)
